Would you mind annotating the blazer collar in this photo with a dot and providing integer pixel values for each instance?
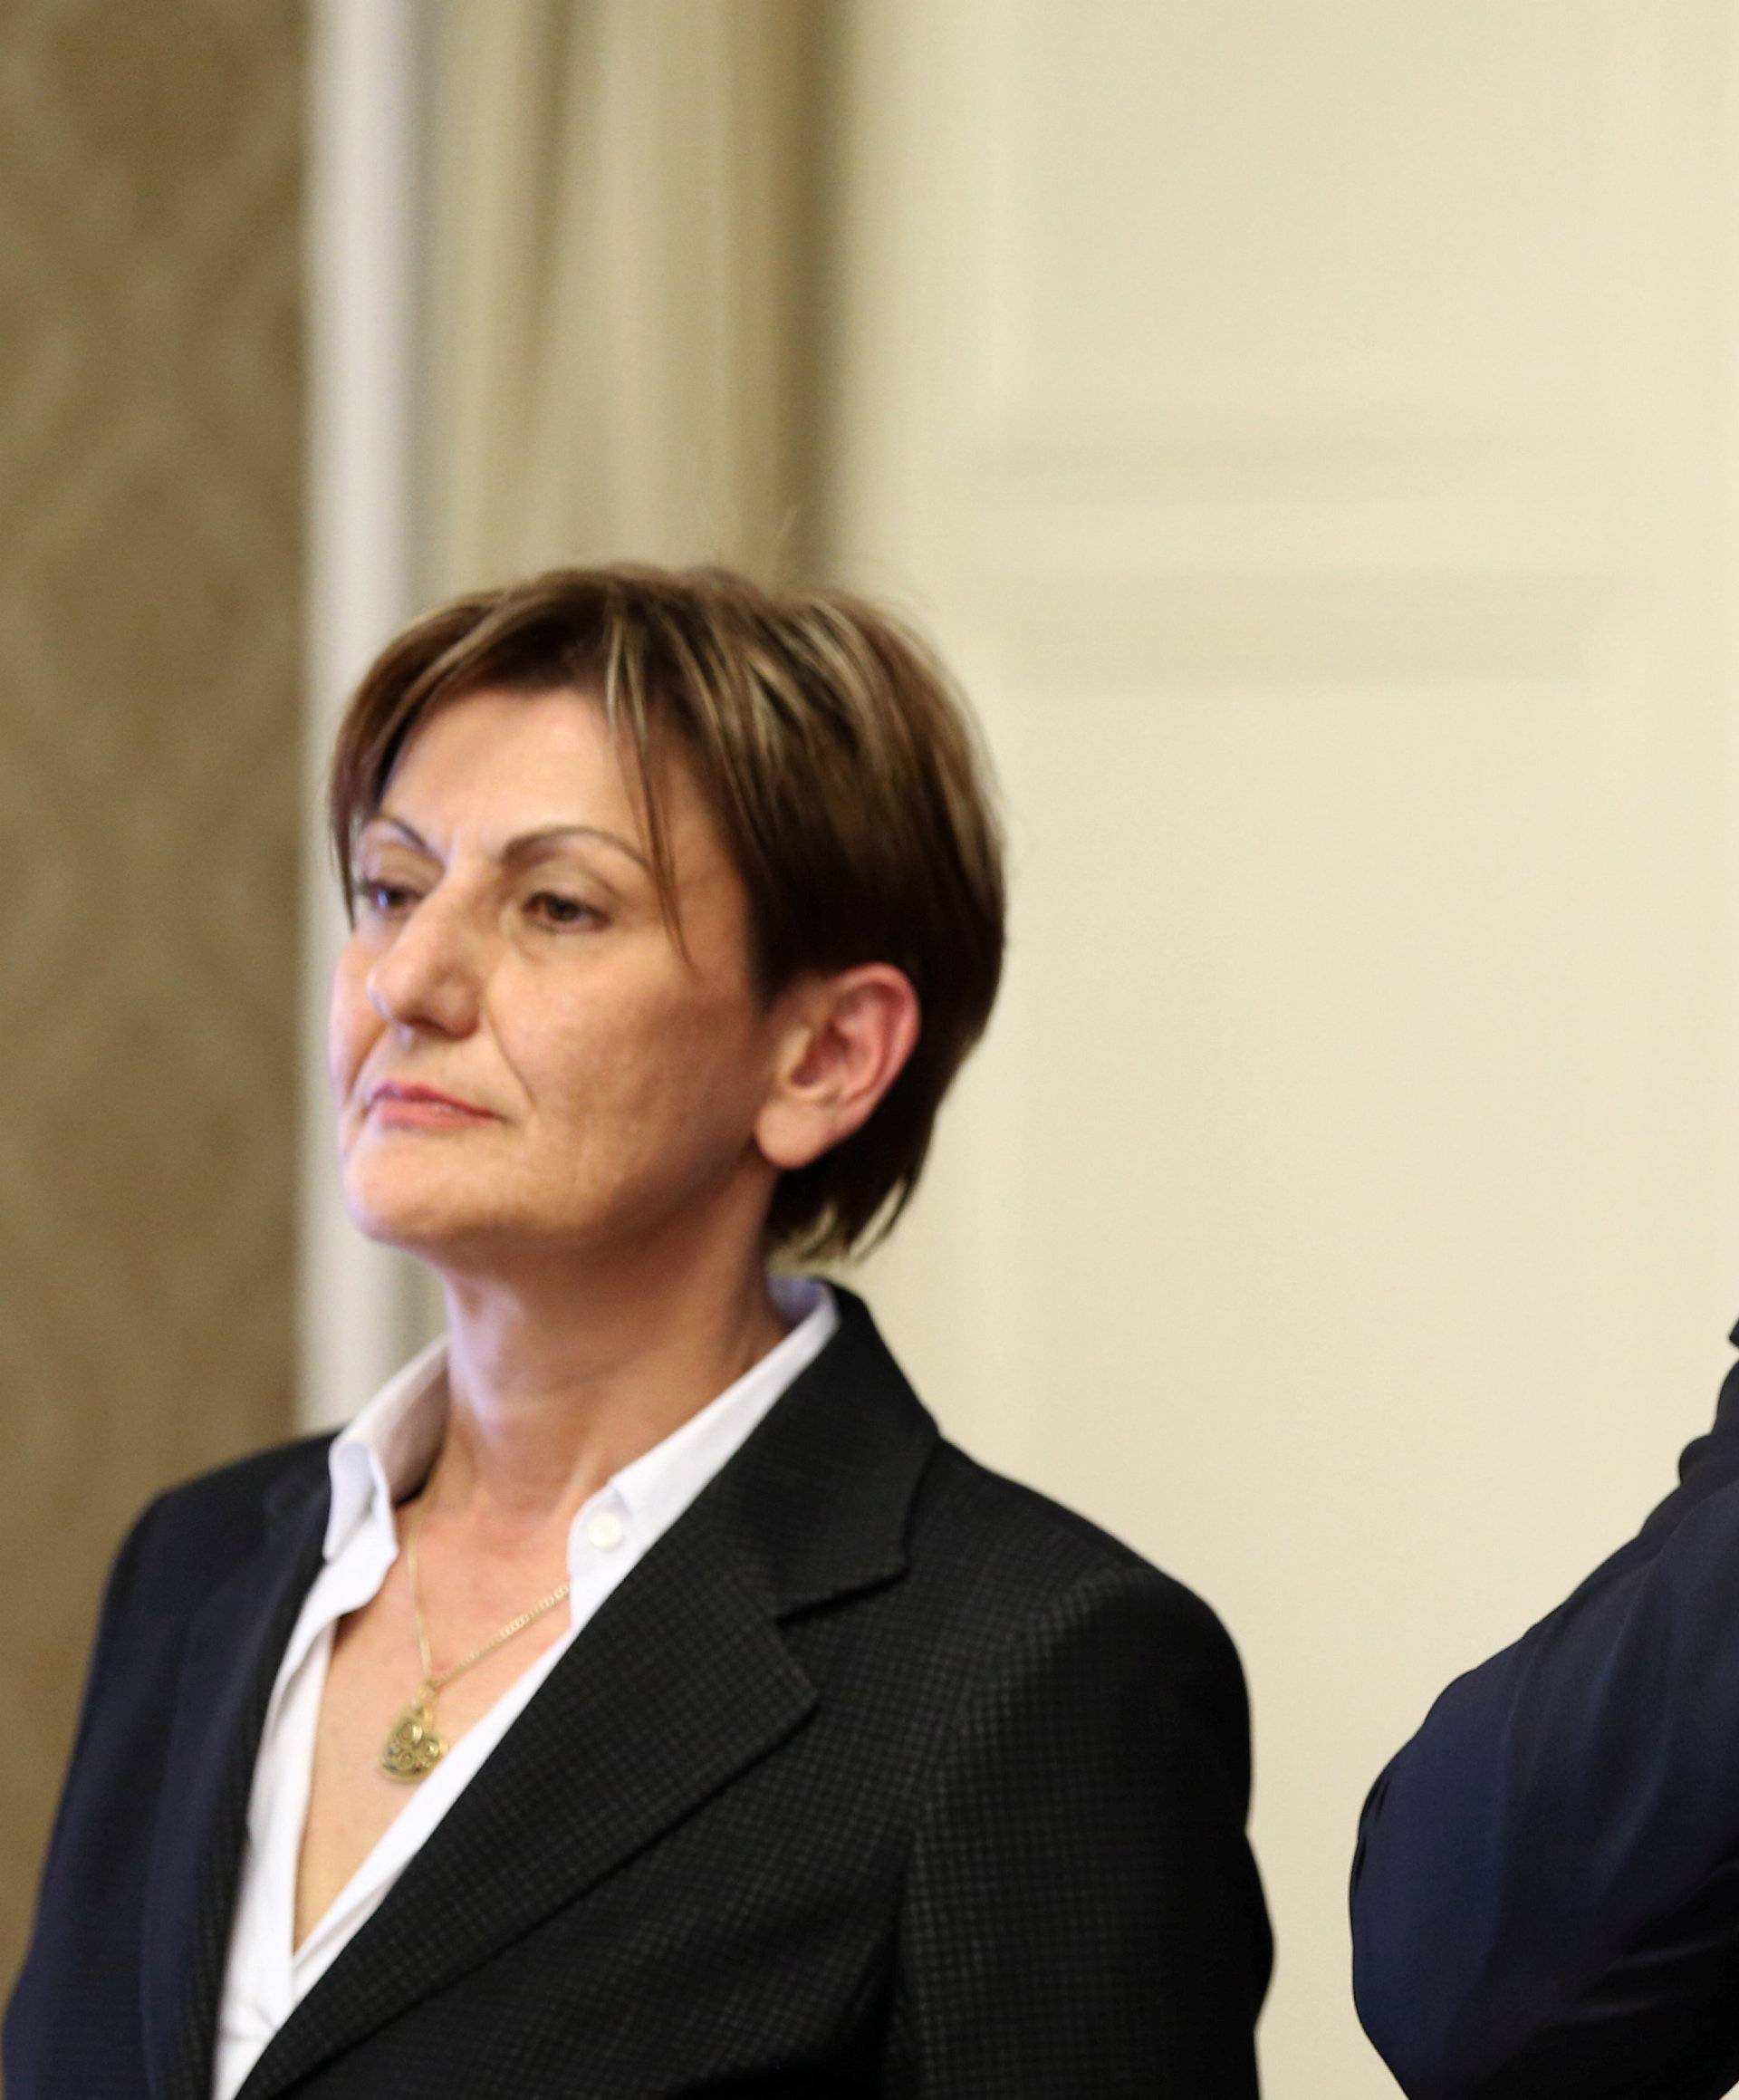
(819, 1500)
(814, 1508)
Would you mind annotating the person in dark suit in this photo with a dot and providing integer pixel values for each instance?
(639, 1697)
(1545, 1901)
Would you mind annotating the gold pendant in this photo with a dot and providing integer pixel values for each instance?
(413, 1749)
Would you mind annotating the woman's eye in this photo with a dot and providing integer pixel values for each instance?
(555, 910)
(383, 899)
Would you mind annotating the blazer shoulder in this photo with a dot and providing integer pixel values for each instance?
(188, 1535)
(1028, 1605)
(260, 1478)
(1010, 1556)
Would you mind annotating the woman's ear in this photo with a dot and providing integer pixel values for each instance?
(846, 1041)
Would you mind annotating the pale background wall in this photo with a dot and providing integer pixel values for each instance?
(1309, 429)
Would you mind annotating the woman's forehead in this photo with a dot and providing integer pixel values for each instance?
(511, 772)
(494, 742)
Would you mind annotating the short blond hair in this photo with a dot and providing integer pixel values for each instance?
(837, 759)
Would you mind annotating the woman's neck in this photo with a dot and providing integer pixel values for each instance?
(557, 1380)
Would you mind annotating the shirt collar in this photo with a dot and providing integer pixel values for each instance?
(388, 1449)
(655, 1489)
(389, 1446)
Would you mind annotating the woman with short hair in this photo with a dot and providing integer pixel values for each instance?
(639, 1697)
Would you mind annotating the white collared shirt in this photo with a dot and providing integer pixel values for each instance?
(384, 1453)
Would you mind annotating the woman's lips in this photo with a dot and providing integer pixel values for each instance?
(423, 1108)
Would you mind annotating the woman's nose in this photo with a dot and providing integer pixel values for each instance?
(431, 977)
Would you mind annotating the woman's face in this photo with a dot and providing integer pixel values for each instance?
(524, 1061)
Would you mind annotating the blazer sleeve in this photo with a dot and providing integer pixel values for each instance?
(30, 2038)
(1082, 1918)
(117, 1597)
(1546, 1900)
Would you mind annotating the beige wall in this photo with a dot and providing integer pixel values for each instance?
(1310, 429)
(149, 481)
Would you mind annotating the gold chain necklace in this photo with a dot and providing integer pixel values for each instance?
(416, 1745)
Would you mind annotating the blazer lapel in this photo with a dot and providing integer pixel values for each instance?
(229, 1662)
(680, 1684)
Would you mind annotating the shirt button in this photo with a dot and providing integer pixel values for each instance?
(605, 1531)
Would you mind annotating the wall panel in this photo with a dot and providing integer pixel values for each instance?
(1307, 429)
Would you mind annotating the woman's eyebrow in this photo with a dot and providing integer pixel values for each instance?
(529, 843)
(526, 845)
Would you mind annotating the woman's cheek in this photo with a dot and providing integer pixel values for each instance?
(351, 1025)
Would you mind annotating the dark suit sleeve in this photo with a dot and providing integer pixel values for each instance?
(1082, 1916)
(29, 2042)
(117, 1595)
(1546, 1897)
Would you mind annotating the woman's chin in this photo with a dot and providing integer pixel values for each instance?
(423, 1214)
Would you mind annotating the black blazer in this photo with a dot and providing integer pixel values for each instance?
(879, 1774)
(1546, 1897)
